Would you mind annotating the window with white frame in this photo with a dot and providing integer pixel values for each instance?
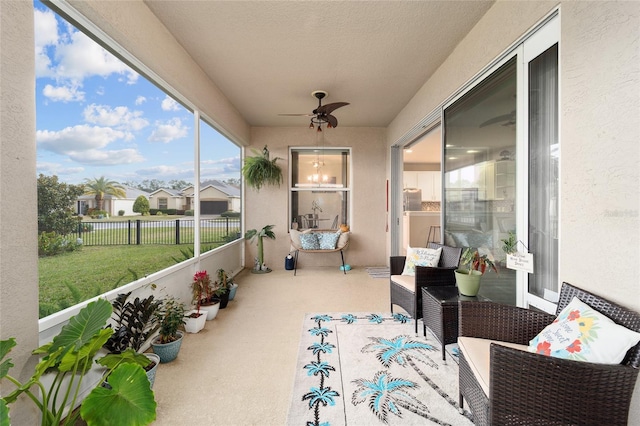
(319, 187)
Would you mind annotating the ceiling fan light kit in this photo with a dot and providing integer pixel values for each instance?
(322, 114)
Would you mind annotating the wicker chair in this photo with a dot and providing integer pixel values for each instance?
(411, 299)
(531, 389)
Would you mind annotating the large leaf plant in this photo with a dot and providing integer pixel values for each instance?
(128, 400)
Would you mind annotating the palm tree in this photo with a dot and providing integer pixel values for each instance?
(264, 232)
(101, 187)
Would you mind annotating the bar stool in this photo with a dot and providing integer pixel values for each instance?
(434, 232)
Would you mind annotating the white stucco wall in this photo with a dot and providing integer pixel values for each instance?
(18, 208)
(600, 126)
(270, 205)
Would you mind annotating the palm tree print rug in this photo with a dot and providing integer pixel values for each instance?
(371, 369)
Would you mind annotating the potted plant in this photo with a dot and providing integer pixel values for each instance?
(68, 357)
(223, 290)
(135, 322)
(259, 266)
(468, 279)
(260, 170)
(171, 317)
(203, 291)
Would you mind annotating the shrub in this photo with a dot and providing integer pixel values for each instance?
(120, 212)
(188, 213)
(230, 213)
(153, 212)
(141, 205)
(171, 212)
(51, 244)
(85, 227)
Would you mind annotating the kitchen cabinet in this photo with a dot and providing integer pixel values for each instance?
(430, 183)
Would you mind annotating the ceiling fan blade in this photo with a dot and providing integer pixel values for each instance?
(331, 120)
(498, 119)
(297, 115)
(328, 108)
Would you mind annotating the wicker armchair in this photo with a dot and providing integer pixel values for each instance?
(531, 389)
(410, 299)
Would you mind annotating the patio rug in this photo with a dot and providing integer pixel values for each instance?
(378, 271)
(370, 369)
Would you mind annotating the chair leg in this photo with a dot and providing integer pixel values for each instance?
(343, 268)
(295, 264)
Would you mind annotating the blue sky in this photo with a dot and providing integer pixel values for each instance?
(95, 116)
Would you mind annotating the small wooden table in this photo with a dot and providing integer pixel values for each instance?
(440, 312)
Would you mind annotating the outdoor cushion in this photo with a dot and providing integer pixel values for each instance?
(295, 237)
(420, 257)
(406, 281)
(328, 240)
(309, 241)
(582, 333)
(477, 353)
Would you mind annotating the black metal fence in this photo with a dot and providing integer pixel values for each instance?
(178, 231)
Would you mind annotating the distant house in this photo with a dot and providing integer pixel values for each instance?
(111, 204)
(215, 197)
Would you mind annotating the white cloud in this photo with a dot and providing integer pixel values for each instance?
(161, 170)
(168, 131)
(226, 166)
(169, 104)
(69, 56)
(140, 100)
(70, 93)
(84, 143)
(48, 168)
(46, 34)
(119, 117)
(107, 158)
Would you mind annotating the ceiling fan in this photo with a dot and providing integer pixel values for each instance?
(506, 120)
(322, 114)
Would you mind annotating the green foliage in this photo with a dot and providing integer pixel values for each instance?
(230, 213)
(97, 213)
(69, 357)
(188, 213)
(171, 317)
(120, 212)
(141, 205)
(260, 170)
(472, 259)
(265, 232)
(509, 244)
(99, 187)
(51, 244)
(55, 205)
(135, 322)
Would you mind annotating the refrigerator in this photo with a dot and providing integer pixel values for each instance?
(412, 199)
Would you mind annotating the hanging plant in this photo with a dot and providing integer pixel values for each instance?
(260, 170)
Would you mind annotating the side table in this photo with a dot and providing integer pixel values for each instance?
(440, 312)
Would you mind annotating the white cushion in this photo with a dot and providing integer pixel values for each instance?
(406, 281)
(582, 333)
(295, 238)
(420, 257)
(477, 352)
(342, 241)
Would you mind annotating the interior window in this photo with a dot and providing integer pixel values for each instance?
(319, 187)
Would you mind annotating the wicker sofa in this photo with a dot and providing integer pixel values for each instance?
(341, 244)
(406, 290)
(506, 385)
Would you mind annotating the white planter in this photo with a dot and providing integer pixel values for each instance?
(212, 310)
(194, 325)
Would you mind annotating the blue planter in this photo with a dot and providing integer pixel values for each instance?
(232, 291)
(168, 351)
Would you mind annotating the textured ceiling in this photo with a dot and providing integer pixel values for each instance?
(268, 56)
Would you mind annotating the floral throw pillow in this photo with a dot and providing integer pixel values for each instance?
(420, 257)
(309, 242)
(328, 240)
(581, 333)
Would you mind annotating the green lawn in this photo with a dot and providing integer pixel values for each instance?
(73, 277)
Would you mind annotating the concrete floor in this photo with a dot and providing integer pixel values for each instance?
(239, 370)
